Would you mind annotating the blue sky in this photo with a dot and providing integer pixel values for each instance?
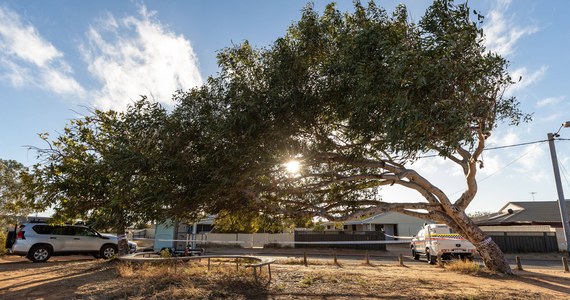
(59, 58)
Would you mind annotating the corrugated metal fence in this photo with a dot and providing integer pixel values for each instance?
(517, 242)
(338, 236)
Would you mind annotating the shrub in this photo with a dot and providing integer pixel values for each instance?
(2, 243)
(465, 267)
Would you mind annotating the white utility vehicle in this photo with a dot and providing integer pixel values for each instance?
(438, 240)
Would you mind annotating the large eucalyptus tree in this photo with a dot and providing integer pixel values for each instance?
(355, 97)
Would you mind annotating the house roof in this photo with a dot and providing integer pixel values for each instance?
(524, 212)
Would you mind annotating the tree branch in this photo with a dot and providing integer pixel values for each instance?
(469, 194)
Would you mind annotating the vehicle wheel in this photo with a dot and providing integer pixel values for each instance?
(415, 255)
(108, 251)
(431, 259)
(40, 253)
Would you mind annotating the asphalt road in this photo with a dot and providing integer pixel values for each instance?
(408, 260)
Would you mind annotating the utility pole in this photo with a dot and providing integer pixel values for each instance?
(561, 199)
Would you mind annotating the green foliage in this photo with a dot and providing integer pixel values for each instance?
(354, 97)
(107, 168)
(252, 221)
(16, 193)
(2, 243)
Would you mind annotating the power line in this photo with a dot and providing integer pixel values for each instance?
(565, 173)
(500, 147)
(505, 166)
(515, 145)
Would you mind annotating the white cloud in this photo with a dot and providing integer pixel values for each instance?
(527, 163)
(552, 117)
(28, 59)
(501, 32)
(523, 78)
(136, 56)
(500, 139)
(60, 83)
(549, 101)
(530, 158)
(491, 164)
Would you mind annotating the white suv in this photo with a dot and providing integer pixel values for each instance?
(39, 241)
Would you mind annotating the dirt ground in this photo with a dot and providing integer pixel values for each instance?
(81, 277)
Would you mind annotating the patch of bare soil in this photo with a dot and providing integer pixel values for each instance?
(98, 279)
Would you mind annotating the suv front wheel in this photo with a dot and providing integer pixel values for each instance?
(108, 251)
(40, 253)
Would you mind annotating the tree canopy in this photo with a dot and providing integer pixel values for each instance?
(14, 194)
(355, 97)
(108, 168)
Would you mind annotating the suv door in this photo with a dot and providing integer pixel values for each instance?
(60, 237)
(86, 239)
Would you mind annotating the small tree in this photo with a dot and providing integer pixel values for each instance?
(15, 191)
(356, 98)
(107, 167)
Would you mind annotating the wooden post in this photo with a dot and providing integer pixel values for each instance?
(367, 258)
(401, 259)
(519, 265)
(208, 264)
(305, 258)
(269, 270)
(565, 264)
(237, 265)
(334, 255)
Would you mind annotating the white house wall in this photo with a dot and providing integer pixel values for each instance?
(406, 225)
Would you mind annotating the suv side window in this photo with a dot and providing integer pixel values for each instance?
(43, 229)
(62, 230)
(82, 231)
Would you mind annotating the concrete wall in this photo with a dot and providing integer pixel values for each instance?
(248, 240)
(560, 239)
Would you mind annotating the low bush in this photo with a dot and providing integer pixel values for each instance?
(465, 267)
(2, 243)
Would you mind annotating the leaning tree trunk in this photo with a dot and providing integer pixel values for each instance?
(123, 245)
(490, 252)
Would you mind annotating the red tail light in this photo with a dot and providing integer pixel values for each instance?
(20, 235)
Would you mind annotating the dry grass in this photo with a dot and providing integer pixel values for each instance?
(301, 262)
(185, 281)
(97, 279)
(465, 267)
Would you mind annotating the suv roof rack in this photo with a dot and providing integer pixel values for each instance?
(37, 220)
